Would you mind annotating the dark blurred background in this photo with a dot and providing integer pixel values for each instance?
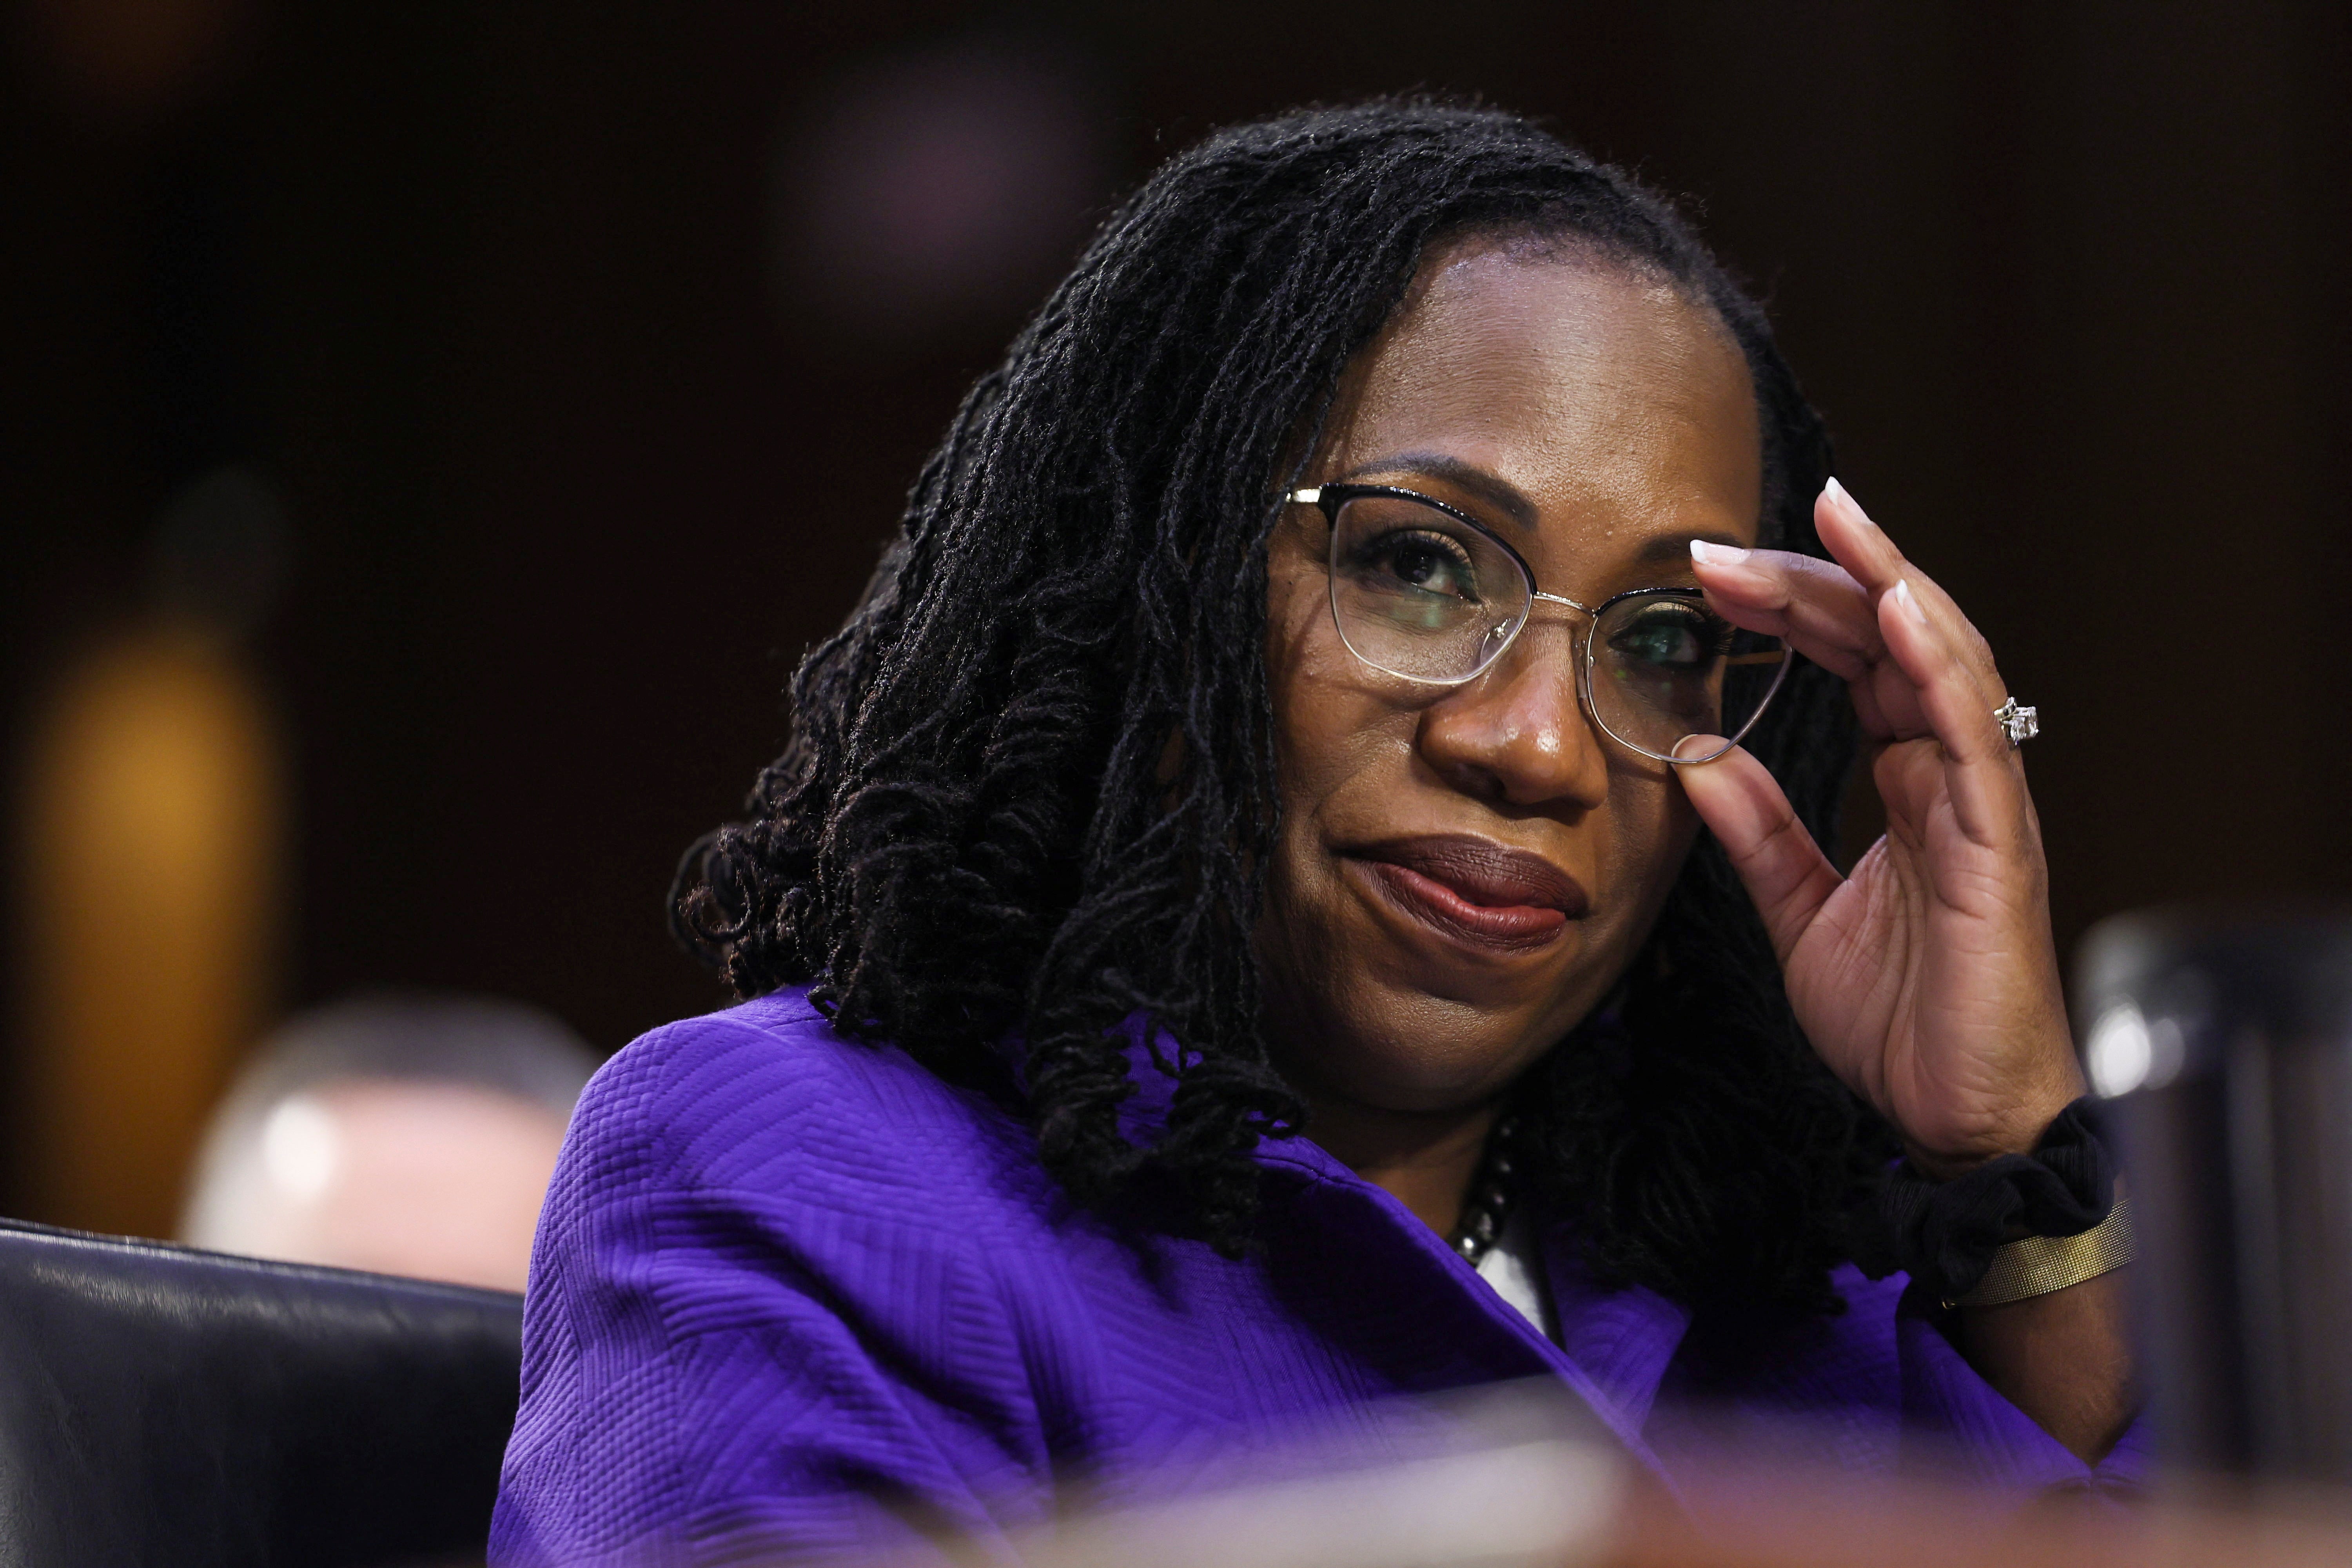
(475, 409)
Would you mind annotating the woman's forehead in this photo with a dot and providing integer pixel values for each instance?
(1596, 394)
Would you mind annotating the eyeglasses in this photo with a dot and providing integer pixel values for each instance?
(1428, 593)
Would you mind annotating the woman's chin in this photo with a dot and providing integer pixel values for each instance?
(1411, 1074)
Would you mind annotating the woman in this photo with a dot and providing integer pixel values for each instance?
(1257, 914)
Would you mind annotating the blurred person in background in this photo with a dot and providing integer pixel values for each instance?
(406, 1134)
(1299, 885)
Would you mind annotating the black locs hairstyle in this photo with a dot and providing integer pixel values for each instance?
(1031, 780)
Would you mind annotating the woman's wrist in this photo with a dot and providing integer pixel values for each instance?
(2021, 1135)
(1940, 1166)
(1944, 1231)
(2019, 1129)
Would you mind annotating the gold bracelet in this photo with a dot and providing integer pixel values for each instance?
(2041, 1264)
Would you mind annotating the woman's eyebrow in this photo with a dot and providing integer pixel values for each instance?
(1676, 547)
(1496, 491)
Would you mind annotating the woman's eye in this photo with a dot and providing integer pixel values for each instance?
(1676, 640)
(1430, 563)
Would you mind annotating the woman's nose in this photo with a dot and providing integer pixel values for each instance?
(1518, 733)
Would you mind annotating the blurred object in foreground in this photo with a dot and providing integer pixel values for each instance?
(1521, 1476)
(934, 187)
(407, 1135)
(151, 846)
(1776, 1510)
(2223, 1044)
(1515, 1475)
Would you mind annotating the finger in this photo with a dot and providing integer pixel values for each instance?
(1819, 609)
(1831, 612)
(1864, 548)
(1817, 606)
(1986, 785)
(1854, 542)
(1956, 633)
(1956, 699)
(1778, 861)
(1939, 669)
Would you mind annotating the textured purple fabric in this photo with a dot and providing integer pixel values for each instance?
(796, 1296)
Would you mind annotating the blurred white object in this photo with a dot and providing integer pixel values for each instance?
(407, 1135)
(1551, 1502)
(1515, 1475)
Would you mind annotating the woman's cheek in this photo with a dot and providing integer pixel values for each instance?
(1655, 836)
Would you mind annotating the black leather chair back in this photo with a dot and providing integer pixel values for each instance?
(169, 1408)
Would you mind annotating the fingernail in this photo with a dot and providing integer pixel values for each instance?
(1903, 597)
(1844, 497)
(1707, 554)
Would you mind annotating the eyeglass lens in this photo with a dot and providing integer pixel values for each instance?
(1422, 594)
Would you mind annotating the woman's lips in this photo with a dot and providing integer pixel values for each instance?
(1477, 891)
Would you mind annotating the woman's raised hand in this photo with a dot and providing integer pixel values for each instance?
(1927, 978)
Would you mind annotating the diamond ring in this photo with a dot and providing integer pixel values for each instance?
(2020, 724)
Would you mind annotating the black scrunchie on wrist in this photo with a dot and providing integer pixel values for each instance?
(1943, 1234)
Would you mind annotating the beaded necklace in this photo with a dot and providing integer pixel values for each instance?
(1491, 1191)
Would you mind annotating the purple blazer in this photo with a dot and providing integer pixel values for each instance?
(795, 1296)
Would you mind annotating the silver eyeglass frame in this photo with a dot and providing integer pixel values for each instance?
(1329, 498)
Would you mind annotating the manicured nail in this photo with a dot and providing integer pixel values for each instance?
(1903, 597)
(1844, 497)
(1707, 554)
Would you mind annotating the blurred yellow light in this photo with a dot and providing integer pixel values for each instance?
(151, 822)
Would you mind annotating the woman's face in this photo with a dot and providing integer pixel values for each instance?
(1462, 872)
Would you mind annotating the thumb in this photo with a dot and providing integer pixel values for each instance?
(1783, 869)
